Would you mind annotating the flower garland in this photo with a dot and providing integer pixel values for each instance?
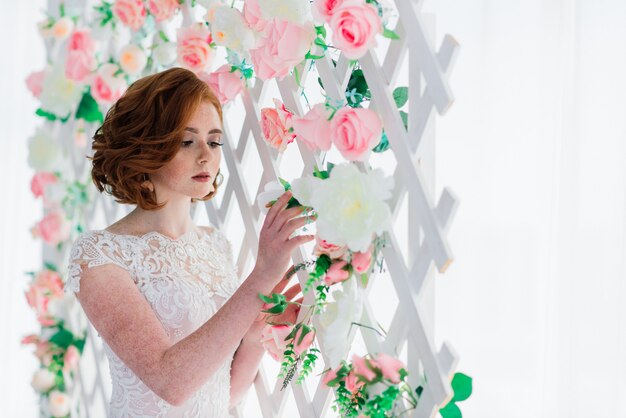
(263, 39)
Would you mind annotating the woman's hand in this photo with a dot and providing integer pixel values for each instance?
(275, 244)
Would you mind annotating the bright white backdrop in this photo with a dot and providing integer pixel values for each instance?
(535, 148)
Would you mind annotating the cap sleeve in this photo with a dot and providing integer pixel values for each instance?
(95, 249)
(226, 248)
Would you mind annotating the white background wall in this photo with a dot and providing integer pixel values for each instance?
(535, 149)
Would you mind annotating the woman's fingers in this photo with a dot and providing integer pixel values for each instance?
(280, 204)
(286, 215)
(291, 226)
(292, 291)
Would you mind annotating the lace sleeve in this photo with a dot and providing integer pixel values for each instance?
(93, 249)
(226, 248)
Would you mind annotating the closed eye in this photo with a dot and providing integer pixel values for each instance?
(214, 144)
(187, 143)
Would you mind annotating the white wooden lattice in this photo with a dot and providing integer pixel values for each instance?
(248, 164)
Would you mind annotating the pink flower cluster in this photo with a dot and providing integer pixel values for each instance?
(131, 13)
(276, 124)
(339, 269)
(46, 286)
(80, 60)
(364, 371)
(354, 24)
(224, 82)
(194, 47)
(275, 339)
(53, 228)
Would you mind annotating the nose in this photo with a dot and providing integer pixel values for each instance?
(205, 154)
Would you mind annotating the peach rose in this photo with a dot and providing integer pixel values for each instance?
(283, 45)
(131, 13)
(355, 132)
(324, 247)
(323, 10)
(314, 127)
(34, 82)
(353, 384)
(105, 86)
(273, 339)
(361, 368)
(80, 60)
(194, 51)
(53, 228)
(40, 181)
(389, 366)
(276, 125)
(354, 26)
(336, 273)
(226, 84)
(163, 9)
(303, 339)
(361, 261)
(58, 404)
(70, 359)
(62, 28)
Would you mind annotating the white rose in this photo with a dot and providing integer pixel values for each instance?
(350, 206)
(62, 309)
(304, 188)
(43, 380)
(207, 4)
(58, 404)
(229, 29)
(165, 53)
(132, 59)
(336, 321)
(62, 28)
(60, 95)
(297, 11)
(43, 151)
(271, 192)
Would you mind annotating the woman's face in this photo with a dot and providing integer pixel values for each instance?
(192, 171)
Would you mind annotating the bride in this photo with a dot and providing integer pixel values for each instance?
(180, 330)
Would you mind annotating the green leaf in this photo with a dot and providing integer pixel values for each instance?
(45, 114)
(63, 338)
(383, 145)
(405, 119)
(310, 56)
(265, 298)
(329, 167)
(357, 85)
(462, 386)
(323, 262)
(388, 33)
(163, 36)
(50, 266)
(321, 31)
(88, 109)
(400, 96)
(285, 183)
(276, 309)
(451, 411)
(319, 81)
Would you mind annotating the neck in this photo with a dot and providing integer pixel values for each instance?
(173, 220)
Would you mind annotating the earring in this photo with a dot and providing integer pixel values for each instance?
(219, 178)
(147, 184)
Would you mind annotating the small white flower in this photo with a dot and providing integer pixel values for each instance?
(60, 95)
(58, 404)
(271, 192)
(62, 28)
(165, 53)
(297, 11)
(229, 28)
(336, 321)
(350, 206)
(43, 380)
(43, 151)
(303, 189)
(132, 59)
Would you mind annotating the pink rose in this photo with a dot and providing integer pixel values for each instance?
(70, 359)
(53, 228)
(50, 282)
(314, 127)
(131, 13)
(361, 368)
(389, 366)
(276, 125)
(330, 376)
(303, 339)
(336, 273)
(193, 47)
(323, 10)
(40, 181)
(354, 26)
(284, 44)
(353, 384)
(273, 340)
(361, 261)
(224, 83)
(37, 299)
(355, 132)
(80, 60)
(34, 82)
(30, 339)
(324, 247)
(106, 88)
(163, 9)
(253, 16)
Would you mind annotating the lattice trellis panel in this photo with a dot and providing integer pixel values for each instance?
(417, 241)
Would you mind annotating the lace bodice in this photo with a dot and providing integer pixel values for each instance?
(185, 281)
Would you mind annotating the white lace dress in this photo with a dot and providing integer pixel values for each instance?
(185, 281)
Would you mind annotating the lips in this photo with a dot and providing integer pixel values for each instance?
(203, 175)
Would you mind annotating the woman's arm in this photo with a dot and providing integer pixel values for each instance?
(246, 363)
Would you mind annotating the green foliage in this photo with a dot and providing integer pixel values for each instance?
(50, 116)
(88, 109)
(381, 406)
(105, 14)
(383, 145)
(462, 387)
(163, 36)
(400, 96)
(405, 119)
(321, 267)
(309, 357)
(357, 90)
(278, 301)
(388, 33)
(50, 266)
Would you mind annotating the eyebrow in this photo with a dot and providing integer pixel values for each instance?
(212, 131)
